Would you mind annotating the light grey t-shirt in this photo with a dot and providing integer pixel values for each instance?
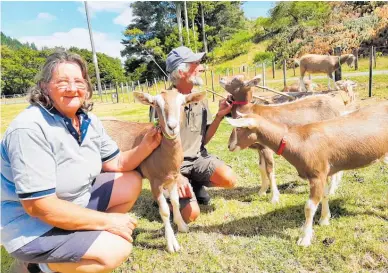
(41, 156)
(193, 131)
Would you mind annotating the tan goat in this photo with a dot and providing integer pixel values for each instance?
(318, 150)
(302, 111)
(314, 63)
(162, 167)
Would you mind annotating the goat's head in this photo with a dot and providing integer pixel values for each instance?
(244, 133)
(237, 85)
(168, 106)
(351, 60)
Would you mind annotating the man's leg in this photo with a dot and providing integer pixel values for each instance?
(208, 170)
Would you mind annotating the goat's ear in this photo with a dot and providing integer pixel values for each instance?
(255, 81)
(242, 122)
(144, 98)
(195, 97)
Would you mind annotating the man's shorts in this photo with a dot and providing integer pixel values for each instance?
(61, 246)
(198, 171)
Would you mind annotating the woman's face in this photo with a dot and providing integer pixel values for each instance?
(67, 88)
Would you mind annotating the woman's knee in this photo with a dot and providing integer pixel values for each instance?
(109, 250)
(135, 180)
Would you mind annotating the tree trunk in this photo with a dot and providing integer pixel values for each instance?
(187, 24)
(203, 30)
(179, 21)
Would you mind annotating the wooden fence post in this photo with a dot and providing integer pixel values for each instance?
(356, 62)
(284, 72)
(212, 83)
(263, 67)
(338, 72)
(374, 56)
(370, 71)
(273, 68)
(117, 93)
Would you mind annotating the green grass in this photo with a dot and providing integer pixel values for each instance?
(242, 232)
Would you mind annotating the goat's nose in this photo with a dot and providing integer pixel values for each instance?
(172, 124)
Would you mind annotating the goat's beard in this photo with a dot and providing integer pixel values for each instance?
(196, 80)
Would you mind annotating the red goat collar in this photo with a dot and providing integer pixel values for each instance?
(239, 102)
(282, 145)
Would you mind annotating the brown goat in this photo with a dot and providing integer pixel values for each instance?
(318, 150)
(301, 111)
(162, 167)
(314, 63)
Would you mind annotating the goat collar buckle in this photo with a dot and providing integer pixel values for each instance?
(282, 146)
(239, 102)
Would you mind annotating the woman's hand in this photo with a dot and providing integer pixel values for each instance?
(122, 225)
(184, 188)
(152, 138)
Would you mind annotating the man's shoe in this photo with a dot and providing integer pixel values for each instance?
(202, 195)
(19, 266)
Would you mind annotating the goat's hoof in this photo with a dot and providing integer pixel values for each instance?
(275, 199)
(262, 192)
(172, 245)
(305, 241)
(183, 228)
(324, 221)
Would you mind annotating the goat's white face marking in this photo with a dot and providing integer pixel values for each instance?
(242, 136)
(171, 116)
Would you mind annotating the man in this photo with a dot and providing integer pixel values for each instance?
(202, 169)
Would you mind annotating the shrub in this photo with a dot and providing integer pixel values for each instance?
(263, 57)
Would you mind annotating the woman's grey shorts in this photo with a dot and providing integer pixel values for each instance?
(61, 246)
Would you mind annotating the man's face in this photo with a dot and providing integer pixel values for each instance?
(194, 74)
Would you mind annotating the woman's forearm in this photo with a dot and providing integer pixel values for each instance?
(128, 160)
(66, 215)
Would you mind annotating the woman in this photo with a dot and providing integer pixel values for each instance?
(59, 214)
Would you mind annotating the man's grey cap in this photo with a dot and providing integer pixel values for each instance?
(180, 55)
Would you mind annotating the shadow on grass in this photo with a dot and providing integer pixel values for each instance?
(272, 223)
(248, 194)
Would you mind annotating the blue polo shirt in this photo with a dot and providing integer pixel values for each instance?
(41, 155)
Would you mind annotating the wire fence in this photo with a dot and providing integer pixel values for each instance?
(274, 75)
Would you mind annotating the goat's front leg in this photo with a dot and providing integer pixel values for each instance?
(302, 86)
(325, 213)
(270, 174)
(174, 198)
(164, 210)
(316, 193)
(330, 77)
(264, 178)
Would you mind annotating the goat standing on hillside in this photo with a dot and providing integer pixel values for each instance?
(162, 167)
(314, 63)
(302, 111)
(318, 150)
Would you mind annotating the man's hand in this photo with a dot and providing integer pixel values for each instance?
(224, 108)
(122, 225)
(152, 138)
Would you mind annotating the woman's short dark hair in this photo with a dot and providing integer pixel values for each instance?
(38, 94)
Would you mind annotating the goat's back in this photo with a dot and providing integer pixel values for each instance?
(126, 134)
(315, 63)
(302, 111)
